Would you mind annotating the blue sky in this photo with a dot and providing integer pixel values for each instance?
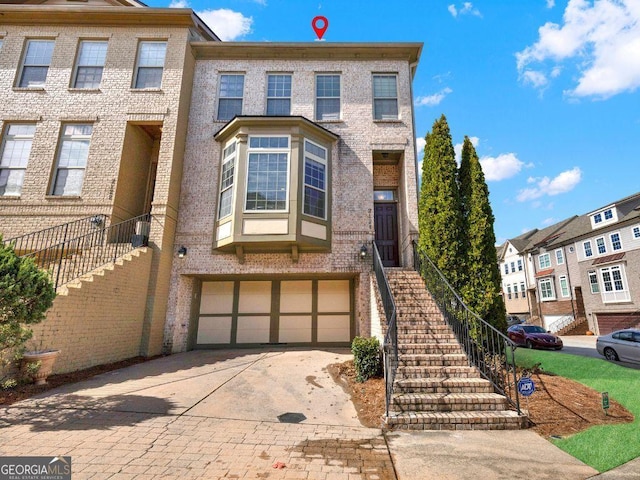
(547, 90)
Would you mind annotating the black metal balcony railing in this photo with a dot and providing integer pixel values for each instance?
(390, 347)
(487, 348)
(68, 257)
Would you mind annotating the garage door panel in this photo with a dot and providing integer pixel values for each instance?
(608, 323)
(296, 296)
(334, 328)
(253, 329)
(217, 297)
(295, 329)
(334, 296)
(214, 330)
(255, 297)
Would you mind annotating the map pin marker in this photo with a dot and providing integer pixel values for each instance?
(320, 29)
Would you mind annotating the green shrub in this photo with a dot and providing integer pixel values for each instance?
(366, 358)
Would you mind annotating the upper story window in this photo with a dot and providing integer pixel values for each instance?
(513, 267)
(279, 94)
(544, 261)
(616, 244)
(546, 289)
(328, 97)
(385, 97)
(315, 179)
(14, 155)
(515, 290)
(509, 292)
(268, 174)
(602, 247)
(72, 159)
(593, 282)
(150, 64)
(519, 265)
(35, 65)
(564, 286)
(636, 231)
(588, 252)
(227, 178)
(608, 214)
(603, 218)
(614, 284)
(559, 256)
(522, 289)
(597, 218)
(506, 268)
(230, 97)
(90, 64)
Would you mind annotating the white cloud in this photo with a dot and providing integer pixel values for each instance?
(227, 24)
(458, 148)
(505, 165)
(551, 3)
(535, 78)
(602, 37)
(466, 9)
(420, 143)
(548, 221)
(564, 182)
(179, 4)
(432, 100)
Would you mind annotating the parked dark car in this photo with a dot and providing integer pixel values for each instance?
(622, 345)
(533, 336)
(514, 320)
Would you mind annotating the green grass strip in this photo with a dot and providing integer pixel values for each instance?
(601, 447)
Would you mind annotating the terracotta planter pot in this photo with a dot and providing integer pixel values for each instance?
(46, 358)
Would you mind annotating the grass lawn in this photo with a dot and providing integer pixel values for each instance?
(602, 447)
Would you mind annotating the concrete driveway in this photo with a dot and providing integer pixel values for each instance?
(226, 414)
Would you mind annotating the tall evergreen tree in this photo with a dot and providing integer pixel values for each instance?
(481, 286)
(440, 219)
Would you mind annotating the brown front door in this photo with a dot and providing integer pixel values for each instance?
(386, 225)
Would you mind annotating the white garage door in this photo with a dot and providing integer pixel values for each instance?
(266, 312)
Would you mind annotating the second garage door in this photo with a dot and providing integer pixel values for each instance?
(608, 323)
(239, 313)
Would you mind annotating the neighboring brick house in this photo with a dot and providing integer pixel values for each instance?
(516, 276)
(298, 156)
(94, 103)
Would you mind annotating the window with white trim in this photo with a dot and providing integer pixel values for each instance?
(519, 265)
(150, 64)
(608, 214)
(559, 256)
(14, 156)
(509, 292)
(614, 285)
(602, 247)
(90, 64)
(564, 286)
(385, 97)
(279, 94)
(604, 217)
(544, 260)
(328, 97)
(588, 252)
(597, 218)
(616, 244)
(593, 281)
(35, 64)
(72, 159)
(515, 290)
(230, 96)
(636, 231)
(546, 289)
(267, 174)
(227, 177)
(513, 267)
(506, 269)
(315, 179)
(523, 290)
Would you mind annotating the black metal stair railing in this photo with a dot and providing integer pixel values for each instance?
(71, 257)
(491, 351)
(390, 347)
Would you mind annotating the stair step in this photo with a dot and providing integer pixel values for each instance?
(499, 420)
(429, 348)
(413, 337)
(405, 372)
(447, 402)
(436, 359)
(443, 385)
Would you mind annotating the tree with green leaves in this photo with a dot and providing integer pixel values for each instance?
(26, 292)
(440, 217)
(481, 284)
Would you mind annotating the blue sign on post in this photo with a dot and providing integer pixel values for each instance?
(526, 386)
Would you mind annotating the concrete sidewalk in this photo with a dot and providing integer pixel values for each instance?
(208, 414)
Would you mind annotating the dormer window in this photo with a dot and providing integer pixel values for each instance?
(604, 217)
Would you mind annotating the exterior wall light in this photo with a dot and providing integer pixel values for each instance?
(96, 221)
(182, 252)
(363, 251)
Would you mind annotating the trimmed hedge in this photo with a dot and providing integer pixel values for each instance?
(367, 358)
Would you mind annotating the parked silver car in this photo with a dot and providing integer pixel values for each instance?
(623, 345)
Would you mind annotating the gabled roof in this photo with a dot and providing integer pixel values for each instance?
(75, 3)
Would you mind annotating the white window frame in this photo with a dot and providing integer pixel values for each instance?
(154, 66)
(515, 290)
(506, 268)
(593, 275)
(279, 94)
(378, 115)
(222, 77)
(547, 262)
(588, 249)
(305, 185)
(636, 231)
(71, 139)
(24, 65)
(9, 163)
(613, 242)
(551, 293)
(564, 286)
(333, 116)
(509, 292)
(228, 158)
(601, 246)
(519, 264)
(559, 256)
(615, 295)
(259, 150)
(93, 63)
(599, 219)
(523, 290)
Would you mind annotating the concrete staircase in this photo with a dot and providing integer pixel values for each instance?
(435, 387)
